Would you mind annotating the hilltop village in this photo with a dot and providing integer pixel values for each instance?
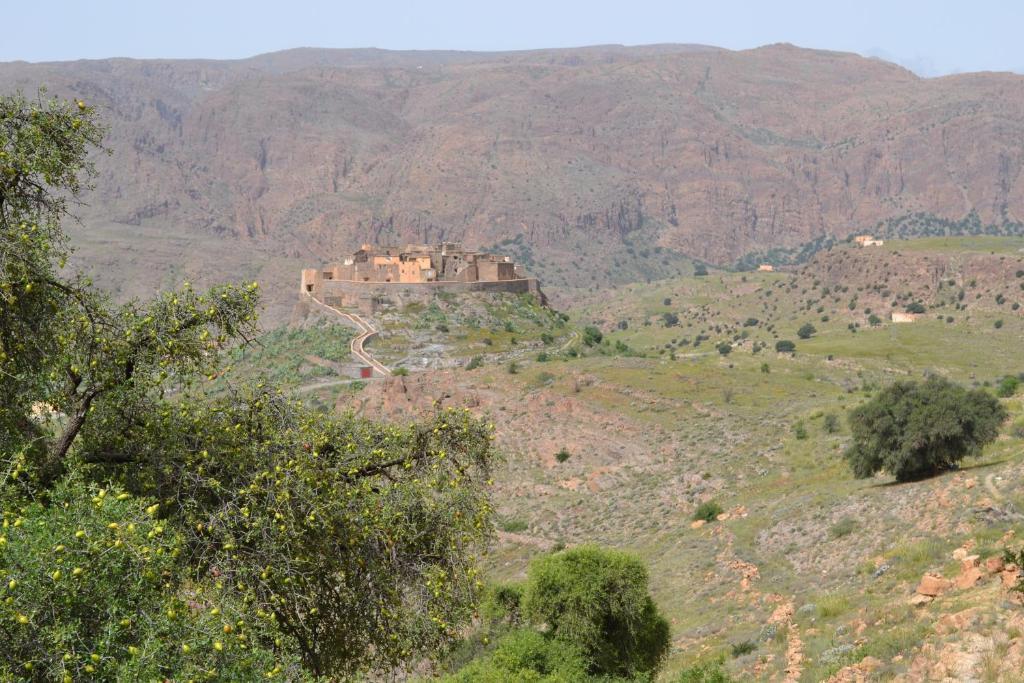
(412, 270)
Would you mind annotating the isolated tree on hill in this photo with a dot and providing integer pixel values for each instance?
(155, 530)
(806, 331)
(916, 429)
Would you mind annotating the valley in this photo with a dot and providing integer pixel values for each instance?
(618, 441)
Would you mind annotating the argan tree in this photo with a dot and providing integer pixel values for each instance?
(597, 601)
(159, 526)
(917, 429)
(584, 614)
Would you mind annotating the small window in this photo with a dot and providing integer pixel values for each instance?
(309, 288)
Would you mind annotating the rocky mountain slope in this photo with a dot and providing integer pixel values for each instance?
(592, 155)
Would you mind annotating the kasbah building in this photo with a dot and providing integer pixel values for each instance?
(412, 271)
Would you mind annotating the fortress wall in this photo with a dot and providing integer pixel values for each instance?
(366, 295)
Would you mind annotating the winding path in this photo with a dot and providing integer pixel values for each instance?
(366, 330)
(990, 485)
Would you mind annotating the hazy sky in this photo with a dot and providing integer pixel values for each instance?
(932, 37)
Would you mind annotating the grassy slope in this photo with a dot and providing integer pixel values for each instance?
(814, 533)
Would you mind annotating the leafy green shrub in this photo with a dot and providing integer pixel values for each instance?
(543, 357)
(744, 647)
(705, 672)
(475, 362)
(592, 335)
(526, 656)
(724, 348)
(514, 525)
(915, 307)
(513, 368)
(502, 602)
(708, 511)
(998, 324)
(670, 319)
(562, 455)
(400, 372)
(596, 601)
(765, 368)
(917, 429)
(844, 527)
(785, 346)
(700, 270)
(830, 423)
(800, 430)
(1007, 387)
(806, 331)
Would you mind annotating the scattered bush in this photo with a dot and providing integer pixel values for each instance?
(800, 431)
(724, 348)
(806, 331)
(844, 527)
(513, 368)
(706, 672)
(562, 455)
(1007, 387)
(915, 307)
(785, 346)
(400, 372)
(743, 648)
(592, 335)
(708, 511)
(670, 319)
(700, 270)
(474, 362)
(998, 324)
(831, 423)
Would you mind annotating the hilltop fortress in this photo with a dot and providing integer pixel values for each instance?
(373, 273)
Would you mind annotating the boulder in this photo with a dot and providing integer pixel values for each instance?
(919, 600)
(969, 577)
(933, 585)
(994, 564)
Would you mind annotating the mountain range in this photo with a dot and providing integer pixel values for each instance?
(581, 161)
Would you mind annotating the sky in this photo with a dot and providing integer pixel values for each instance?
(932, 37)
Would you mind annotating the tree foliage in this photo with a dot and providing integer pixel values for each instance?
(229, 533)
(596, 600)
(916, 429)
(584, 615)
